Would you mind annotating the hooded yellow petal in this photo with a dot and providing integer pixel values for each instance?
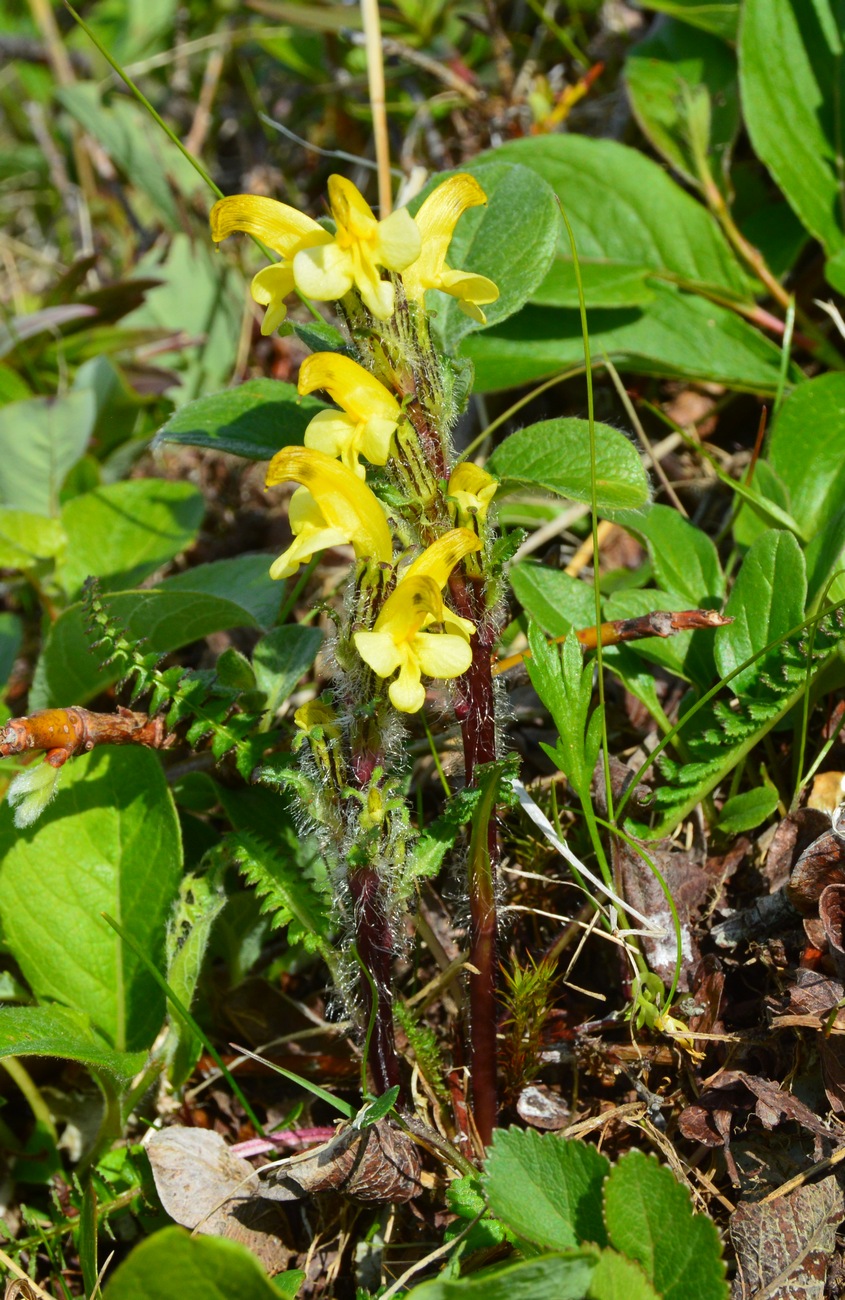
(345, 502)
(442, 655)
(470, 290)
(399, 240)
(439, 559)
(349, 385)
(414, 601)
(436, 221)
(279, 227)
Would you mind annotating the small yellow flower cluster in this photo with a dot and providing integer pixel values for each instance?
(333, 504)
(325, 266)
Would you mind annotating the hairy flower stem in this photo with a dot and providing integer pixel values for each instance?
(374, 941)
(476, 712)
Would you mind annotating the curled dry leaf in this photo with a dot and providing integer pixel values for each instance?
(736, 1093)
(20, 1289)
(380, 1164)
(538, 1106)
(821, 864)
(784, 1246)
(205, 1188)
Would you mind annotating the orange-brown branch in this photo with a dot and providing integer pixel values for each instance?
(659, 623)
(63, 733)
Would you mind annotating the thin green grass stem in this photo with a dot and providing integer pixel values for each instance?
(342, 1107)
(185, 1014)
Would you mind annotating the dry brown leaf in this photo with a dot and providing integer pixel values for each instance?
(784, 1246)
(205, 1188)
(379, 1163)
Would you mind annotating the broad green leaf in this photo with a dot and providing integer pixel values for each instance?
(565, 685)
(719, 17)
(790, 59)
(281, 658)
(59, 1032)
(244, 580)
(554, 456)
(547, 1189)
(557, 601)
(205, 293)
(807, 448)
(28, 539)
(11, 635)
(627, 216)
(650, 1219)
(151, 163)
(163, 620)
(511, 240)
(546, 1277)
(746, 811)
(617, 1278)
(752, 520)
(40, 442)
(174, 1263)
(767, 600)
(254, 420)
(109, 842)
(826, 557)
(683, 86)
(123, 532)
(685, 560)
(676, 335)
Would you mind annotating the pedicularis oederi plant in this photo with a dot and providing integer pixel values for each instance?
(423, 597)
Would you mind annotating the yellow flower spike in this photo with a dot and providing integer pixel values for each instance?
(281, 228)
(361, 245)
(370, 411)
(472, 490)
(436, 220)
(332, 507)
(437, 561)
(399, 641)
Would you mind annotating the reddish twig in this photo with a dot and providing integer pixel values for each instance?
(64, 733)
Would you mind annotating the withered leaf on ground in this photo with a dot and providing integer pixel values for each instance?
(795, 833)
(379, 1163)
(783, 1247)
(737, 1093)
(821, 864)
(205, 1188)
(538, 1106)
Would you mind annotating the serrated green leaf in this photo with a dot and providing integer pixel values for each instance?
(676, 334)
(665, 74)
(123, 532)
(628, 217)
(768, 599)
(650, 1219)
(109, 842)
(60, 1032)
(790, 55)
(554, 456)
(617, 1278)
(195, 1268)
(557, 601)
(254, 420)
(511, 240)
(548, 1189)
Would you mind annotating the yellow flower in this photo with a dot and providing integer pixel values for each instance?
(436, 220)
(472, 489)
(399, 641)
(317, 714)
(281, 228)
(361, 245)
(437, 561)
(370, 412)
(333, 507)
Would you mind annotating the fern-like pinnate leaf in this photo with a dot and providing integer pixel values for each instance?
(720, 734)
(288, 885)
